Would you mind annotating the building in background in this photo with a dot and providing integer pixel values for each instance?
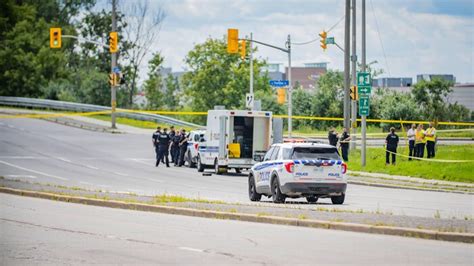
(429, 77)
(392, 82)
(307, 76)
(274, 72)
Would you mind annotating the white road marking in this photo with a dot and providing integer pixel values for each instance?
(118, 173)
(10, 126)
(91, 167)
(139, 161)
(85, 183)
(22, 157)
(191, 249)
(33, 171)
(64, 159)
(20, 176)
(103, 186)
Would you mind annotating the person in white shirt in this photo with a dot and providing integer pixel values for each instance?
(411, 141)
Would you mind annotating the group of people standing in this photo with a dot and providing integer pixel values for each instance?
(173, 142)
(418, 138)
(343, 141)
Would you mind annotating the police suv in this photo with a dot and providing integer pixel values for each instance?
(294, 170)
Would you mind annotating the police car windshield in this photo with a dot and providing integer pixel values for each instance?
(314, 153)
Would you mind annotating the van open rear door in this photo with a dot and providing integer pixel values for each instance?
(222, 137)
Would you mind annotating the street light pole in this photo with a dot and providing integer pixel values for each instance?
(354, 82)
(114, 64)
(290, 89)
(251, 67)
(364, 122)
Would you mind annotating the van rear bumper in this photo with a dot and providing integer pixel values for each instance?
(313, 188)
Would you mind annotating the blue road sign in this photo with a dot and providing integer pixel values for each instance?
(279, 83)
(116, 69)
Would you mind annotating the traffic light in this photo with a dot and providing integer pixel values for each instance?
(323, 36)
(113, 79)
(55, 37)
(354, 93)
(113, 42)
(242, 49)
(232, 41)
(281, 96)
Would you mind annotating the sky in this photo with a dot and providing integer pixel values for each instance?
(405, 37)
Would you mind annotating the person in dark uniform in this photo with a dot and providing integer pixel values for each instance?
(174, 148)
(183, 146)
(344, 140)
(155, 140)
(332, 137)
(163, 147)
(392, 142)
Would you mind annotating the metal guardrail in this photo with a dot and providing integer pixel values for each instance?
(81, 107)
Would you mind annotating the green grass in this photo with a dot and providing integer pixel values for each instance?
(135, 123)
(460, 172)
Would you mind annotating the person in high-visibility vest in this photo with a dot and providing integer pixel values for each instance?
(420, 141)
(430, 141)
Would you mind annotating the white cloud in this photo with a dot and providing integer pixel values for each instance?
(414, 42)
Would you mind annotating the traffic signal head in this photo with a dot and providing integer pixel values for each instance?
(323, 36)
(281, 96)
(232, 41)
(55, 37)
(242, 49)
(113, 42)
(354, 93)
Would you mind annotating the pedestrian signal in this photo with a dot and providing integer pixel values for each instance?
(323, 36)
(281, 96)
(232, 41)
(55, 37)
(113, 42)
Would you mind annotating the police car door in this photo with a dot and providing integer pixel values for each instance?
(267, 167)
(260, 168)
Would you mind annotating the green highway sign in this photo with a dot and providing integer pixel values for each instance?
(364, 105)
(363, 79)
(330, 40)
(363, 90)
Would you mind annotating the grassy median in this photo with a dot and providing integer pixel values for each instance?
(449, 171)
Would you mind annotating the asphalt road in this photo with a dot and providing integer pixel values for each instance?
(36, 231)
(45, 152)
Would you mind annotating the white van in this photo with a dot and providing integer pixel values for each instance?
(234, 139)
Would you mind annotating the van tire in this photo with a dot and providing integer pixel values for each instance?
(238, 170)
(200, 166)
(218, 170)
(277, 196)
(253, 194)
(338, 199)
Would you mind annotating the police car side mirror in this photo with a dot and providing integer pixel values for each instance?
(258, 158)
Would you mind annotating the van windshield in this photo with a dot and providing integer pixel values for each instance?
(314, 153)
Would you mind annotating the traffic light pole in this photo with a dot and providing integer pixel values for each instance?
(347, 65)
(114, 64)
(364, 122)
(354, 82)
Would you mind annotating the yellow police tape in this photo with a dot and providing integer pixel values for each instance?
(431, 160)
(296, 117)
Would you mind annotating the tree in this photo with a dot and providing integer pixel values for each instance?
(154, 84)
(430, 98)
(219, 78)
(142, 29)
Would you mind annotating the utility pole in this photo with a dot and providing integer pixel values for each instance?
(251, 66)
(354, 81)
(364, 122)
(347, 65)
(290, 89)
(114, 64)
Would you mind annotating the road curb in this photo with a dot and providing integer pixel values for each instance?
(353, 227)
(370, 184)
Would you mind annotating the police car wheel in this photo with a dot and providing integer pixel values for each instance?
(253, 195)
(312, 199)
(277, 196)
(338, 199)
(200, 166)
